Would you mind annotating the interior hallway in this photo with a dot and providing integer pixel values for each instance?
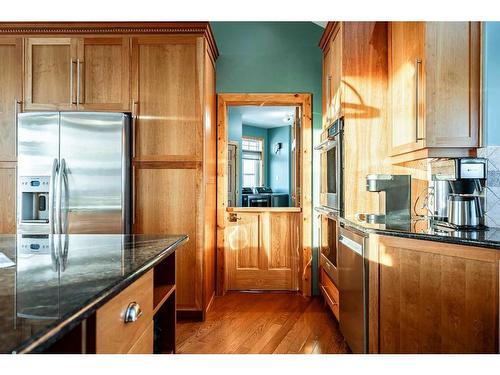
(263, 323)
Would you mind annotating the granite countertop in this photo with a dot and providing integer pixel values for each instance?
(44, 292)
(425, 229)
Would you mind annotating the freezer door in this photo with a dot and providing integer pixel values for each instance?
(38, 156)
(94, 165)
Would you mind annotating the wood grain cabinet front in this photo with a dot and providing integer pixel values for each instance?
(434, 74)
(431, 297)
(122, 321)
(330, 292)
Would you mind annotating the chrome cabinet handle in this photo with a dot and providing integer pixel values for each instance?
(77, 81)
(73, 101)
(80, 82)
(135, 114)
(133, 312)
(17, 110)
(418, 63)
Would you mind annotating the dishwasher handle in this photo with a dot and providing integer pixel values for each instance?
(353, 245)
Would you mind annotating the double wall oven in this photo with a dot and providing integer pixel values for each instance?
(331, 147)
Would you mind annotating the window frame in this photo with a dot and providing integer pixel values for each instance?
(262, 159)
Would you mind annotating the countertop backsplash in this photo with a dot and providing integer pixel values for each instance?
(492, 153)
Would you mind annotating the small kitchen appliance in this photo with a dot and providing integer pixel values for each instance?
(466, 179)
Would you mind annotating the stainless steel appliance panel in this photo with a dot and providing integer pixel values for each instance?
(38, 158)
(93, 179)
(352, 309)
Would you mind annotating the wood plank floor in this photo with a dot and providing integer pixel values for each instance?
(263, 323)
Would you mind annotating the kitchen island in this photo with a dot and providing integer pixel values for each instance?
(82, 293)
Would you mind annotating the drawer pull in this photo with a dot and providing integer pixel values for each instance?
(133, 312)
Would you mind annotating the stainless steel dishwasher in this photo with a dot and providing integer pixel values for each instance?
(353, 288)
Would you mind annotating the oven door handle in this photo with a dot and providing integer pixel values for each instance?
(326, 144)
(352, 245)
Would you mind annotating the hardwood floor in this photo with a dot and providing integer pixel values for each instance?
(263, 323)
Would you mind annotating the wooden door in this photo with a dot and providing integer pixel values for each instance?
(232, 175)
(327, 86)
(436, 298)
(167, 201)
(104, 74)
(452, 84)
(167, 92)
(262, 251)
(406, 70)
(50, 73)
(8, 197)
(336, 74)
(11, 69)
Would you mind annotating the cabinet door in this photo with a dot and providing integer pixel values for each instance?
(10, 94)
(336, 74)
(452, 84)
(8, 198)
(327, 87)
(50, 74)
(104, 65)
(167, 93)
(406, 76)
(167, 200)
(437, 298)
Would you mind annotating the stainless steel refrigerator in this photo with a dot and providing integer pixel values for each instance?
(73, 172)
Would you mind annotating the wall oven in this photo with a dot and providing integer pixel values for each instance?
(328, 242)
(331, 147)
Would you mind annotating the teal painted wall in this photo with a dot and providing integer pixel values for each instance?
(491, 82)
(274, 57)
(252, 131)
(279, 164)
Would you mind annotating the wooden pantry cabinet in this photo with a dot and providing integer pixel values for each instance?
(173, 94)
(432, 297)
(161, 72)
(434, 74)
(77, 73)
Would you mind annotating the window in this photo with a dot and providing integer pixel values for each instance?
(252, 161)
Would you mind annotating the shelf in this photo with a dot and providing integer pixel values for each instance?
(160, 295)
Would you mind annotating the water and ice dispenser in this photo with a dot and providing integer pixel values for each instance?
(35, 200)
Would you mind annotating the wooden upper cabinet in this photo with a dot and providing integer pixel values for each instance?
(434, 81)
(10, 94)
(104, 74)
(167, 96)
(50, 74)
(332, 78)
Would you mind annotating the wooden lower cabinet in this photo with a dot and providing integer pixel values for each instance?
(431, 297)
(8, 198)
(330, 292)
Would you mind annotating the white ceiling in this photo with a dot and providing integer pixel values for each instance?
(266, 117)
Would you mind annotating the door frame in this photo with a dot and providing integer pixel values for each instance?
(304, 101)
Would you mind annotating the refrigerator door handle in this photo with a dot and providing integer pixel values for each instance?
(65, 208)
(62, 167)
(52, 195)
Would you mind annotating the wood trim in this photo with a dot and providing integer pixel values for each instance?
(42, 28)
(167, 164)
(327, 34)
(304, 101)
(434, 152)
(263, 209)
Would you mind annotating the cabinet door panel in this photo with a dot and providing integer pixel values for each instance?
(168, 93)
(452, 89)
(105, 66)
(11, 79)
(167, 202)
(406, 39)
(336, 74)
(8, 198)
(50, 81)
(435, 302)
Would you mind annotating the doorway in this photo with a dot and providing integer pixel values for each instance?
(264, 232)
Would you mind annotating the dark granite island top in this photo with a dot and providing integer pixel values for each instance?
(45, 292)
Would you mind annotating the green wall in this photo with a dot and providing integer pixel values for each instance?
(274, 57)
(279, 176)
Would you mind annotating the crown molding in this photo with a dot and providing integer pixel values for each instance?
(44, 28)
